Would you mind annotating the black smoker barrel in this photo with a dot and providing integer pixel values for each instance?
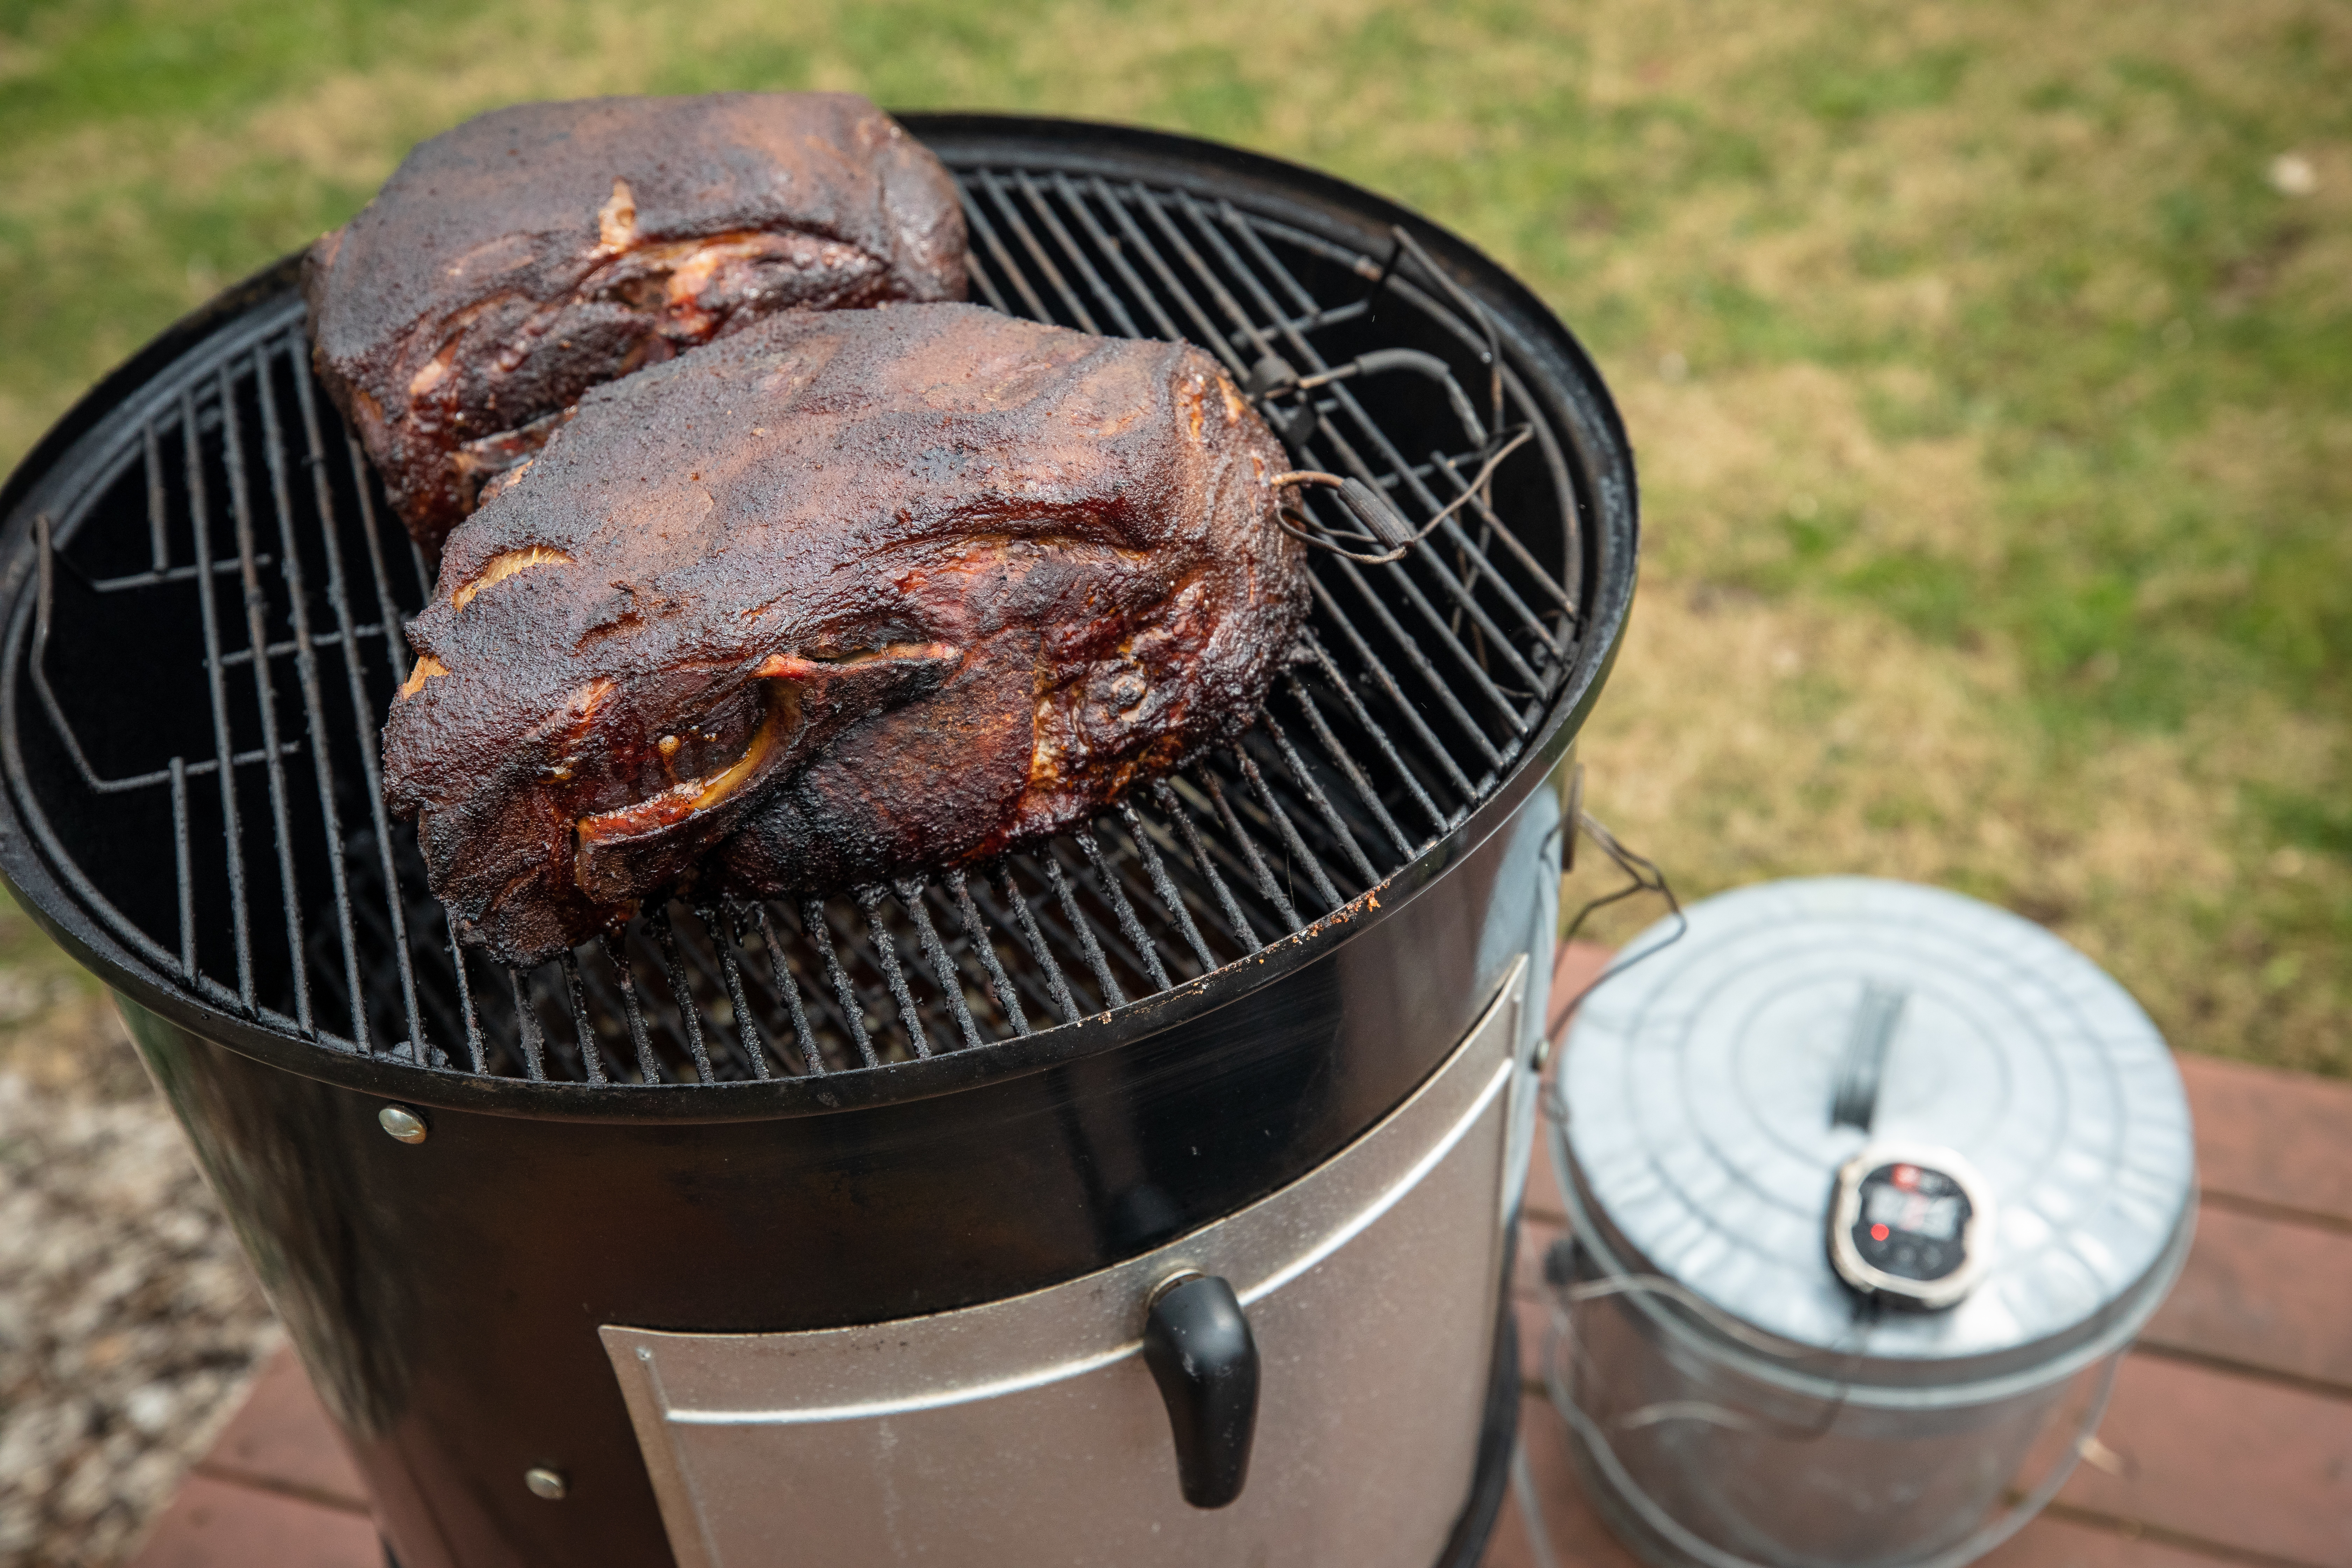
(739, 1130)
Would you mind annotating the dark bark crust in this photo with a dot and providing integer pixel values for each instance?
(513, 263)
(923, 582)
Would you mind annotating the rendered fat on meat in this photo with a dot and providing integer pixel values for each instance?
(513, 263)
(840, 597)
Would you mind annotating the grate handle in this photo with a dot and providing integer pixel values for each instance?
(1863, 1067)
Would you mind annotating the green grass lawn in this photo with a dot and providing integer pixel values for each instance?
(1989, 366)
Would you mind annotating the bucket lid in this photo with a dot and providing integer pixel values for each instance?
(1700, 1086)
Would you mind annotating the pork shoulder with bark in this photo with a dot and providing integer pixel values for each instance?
(510, 265)
(837, 597)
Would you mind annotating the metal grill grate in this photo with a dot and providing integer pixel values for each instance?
(213, 646)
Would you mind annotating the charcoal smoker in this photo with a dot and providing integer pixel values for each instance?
(1143, 1198)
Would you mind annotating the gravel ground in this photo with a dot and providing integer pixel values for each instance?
(130, 1324)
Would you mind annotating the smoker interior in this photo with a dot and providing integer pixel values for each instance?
(200, 655)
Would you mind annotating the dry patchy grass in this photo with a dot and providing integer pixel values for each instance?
(1994, 400)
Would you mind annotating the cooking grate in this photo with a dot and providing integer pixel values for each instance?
(208, 661)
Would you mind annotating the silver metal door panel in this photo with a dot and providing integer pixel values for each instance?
(1027, 1433)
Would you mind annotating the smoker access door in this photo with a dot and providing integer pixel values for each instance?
(1028, 1432)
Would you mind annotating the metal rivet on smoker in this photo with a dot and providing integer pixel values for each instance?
(544, 1483)
(405, 1125)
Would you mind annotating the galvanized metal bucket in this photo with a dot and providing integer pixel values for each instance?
(1731, 1402)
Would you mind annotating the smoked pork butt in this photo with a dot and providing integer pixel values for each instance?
(513, 263)
(842, 596)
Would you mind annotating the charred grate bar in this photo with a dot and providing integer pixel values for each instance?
(236, 563)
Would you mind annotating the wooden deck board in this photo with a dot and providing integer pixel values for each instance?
(281, 1438)
(215, 1523)
(2264, 1295)
(1572, 1531)
(2232, 1462)
(2271, 1138)
(2057, 1541)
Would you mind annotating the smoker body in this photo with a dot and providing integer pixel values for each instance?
(937, 1112)
(447, 1298)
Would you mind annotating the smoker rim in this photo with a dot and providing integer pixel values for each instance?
(1314, 202)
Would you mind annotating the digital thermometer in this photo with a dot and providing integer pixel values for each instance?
(1909, 1225)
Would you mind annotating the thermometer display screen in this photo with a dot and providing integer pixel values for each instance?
(1911, 1221)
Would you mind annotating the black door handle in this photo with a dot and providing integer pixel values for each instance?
(1200, 1350)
